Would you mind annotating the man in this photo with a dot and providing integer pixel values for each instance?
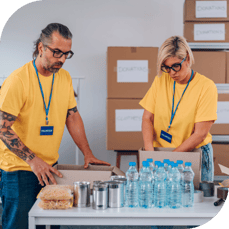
(35, 103)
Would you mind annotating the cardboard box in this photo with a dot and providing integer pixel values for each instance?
(130, 71)
(227, 72)
(206, 10)
(166, 153)
(124, 118)
(211, 64)
(221, 156)
(221, 126)
(206, 31)
(73, 173)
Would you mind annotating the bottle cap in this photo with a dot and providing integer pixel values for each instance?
(166, 161)
(132, 163)
(179, 162)
(175, 164)
(172, 163)
(162, 164)
(145, 163)
(188, 163)
(149, 159)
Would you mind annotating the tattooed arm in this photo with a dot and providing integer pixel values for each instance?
(76, 129)
(15, 145)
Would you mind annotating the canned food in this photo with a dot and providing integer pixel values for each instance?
(100, 196)
(81, 191)
(115, 194)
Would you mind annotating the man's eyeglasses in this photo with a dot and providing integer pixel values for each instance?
(58, 53)
(176, 67)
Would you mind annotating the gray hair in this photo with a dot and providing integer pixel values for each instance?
(46, 35)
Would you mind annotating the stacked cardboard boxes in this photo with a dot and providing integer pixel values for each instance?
(221, 156)
(130, 73)
(206, 21)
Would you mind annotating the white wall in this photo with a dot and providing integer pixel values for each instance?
(95, 24)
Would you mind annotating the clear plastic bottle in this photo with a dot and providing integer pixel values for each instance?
(168, 180)
(188, 186)
(156, 163)
(166, 164)
(153, 169)
(160, 187)
(151, 166)
(145, 186)
(131, 194)
(174, 188)
(181, 169)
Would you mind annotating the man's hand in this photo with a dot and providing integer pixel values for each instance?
(91, 159)
(43, 170)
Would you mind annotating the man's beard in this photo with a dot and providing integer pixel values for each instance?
(51, 67)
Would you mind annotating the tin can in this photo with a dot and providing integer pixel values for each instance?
(100, 197)
(81, 191)
(115, 194)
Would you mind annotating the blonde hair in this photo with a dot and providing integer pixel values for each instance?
(175, 46)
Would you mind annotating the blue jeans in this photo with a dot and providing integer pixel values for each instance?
(207, 165)
(18, 191)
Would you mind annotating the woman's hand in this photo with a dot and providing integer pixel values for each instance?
(147, 130)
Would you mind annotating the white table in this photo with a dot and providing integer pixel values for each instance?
(199, 214)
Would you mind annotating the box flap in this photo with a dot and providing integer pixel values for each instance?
(71, 176)
(224, 169)
(73, 173)
(81, 167)
(117, 171)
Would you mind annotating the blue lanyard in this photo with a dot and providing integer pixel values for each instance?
(42, 93)
(174, 112)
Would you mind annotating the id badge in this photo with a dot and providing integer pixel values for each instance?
(166, 136)
(46, 130)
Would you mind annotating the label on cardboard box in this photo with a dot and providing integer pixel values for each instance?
(211, 9)
(222, 112)
(128, 120)
(209, 32)
(132, 71)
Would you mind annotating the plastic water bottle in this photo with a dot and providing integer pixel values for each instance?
(188, 186)
(151, 166)
(170, 166)
(160, 187)
(168, 180)
(153, 169)
(174, 188)
(145, 186)
(156, 163)
(166, 163)
(131, 199)
(181, 169)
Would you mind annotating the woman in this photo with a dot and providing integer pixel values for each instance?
(180, 107)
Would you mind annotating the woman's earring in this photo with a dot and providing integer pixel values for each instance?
(41, 55)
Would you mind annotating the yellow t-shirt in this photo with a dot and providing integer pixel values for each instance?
(21, 97)
(198, 104)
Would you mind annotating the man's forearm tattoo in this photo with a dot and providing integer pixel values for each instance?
(71, 111)
(10, 139)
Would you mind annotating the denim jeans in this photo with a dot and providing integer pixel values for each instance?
(207, 165)
(18, 192)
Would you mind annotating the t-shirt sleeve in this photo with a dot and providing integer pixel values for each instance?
(12, 96)
(207, 104)
(72, 100)
(149, 100)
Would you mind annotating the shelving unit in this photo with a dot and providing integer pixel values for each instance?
(222, 88)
